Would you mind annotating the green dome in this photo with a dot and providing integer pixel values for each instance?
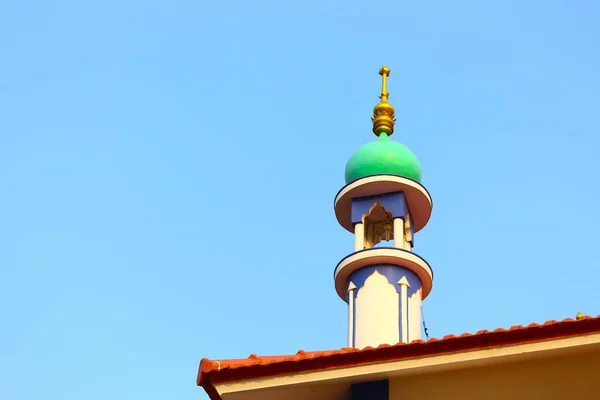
(383, 156)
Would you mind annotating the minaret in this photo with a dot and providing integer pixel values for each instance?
(383, 201)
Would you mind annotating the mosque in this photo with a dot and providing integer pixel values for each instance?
(384, 286)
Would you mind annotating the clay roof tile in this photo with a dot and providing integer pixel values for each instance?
(219, 371)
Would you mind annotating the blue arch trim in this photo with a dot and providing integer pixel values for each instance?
(393, 273)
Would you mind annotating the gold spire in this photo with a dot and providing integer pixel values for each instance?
(383, 113)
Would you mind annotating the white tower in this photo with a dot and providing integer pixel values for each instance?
(383, 200)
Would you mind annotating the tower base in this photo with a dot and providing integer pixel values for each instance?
(384, 289)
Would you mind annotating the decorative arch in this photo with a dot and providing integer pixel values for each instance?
(377, 318)
(378, 224)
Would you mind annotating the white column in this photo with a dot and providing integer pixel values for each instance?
(359, 237)
(399, 233)
(404, 285)
(407, 233)
(351, 289)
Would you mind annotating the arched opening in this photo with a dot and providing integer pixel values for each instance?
(379, 225)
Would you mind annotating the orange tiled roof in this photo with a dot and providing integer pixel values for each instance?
(220, 371)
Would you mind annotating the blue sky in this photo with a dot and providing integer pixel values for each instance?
(168, 172)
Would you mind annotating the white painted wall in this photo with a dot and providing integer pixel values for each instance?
(377, 313)
(414, 316)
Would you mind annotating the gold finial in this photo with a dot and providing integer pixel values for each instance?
(384, 72)
(383, 113)
(579, 316)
